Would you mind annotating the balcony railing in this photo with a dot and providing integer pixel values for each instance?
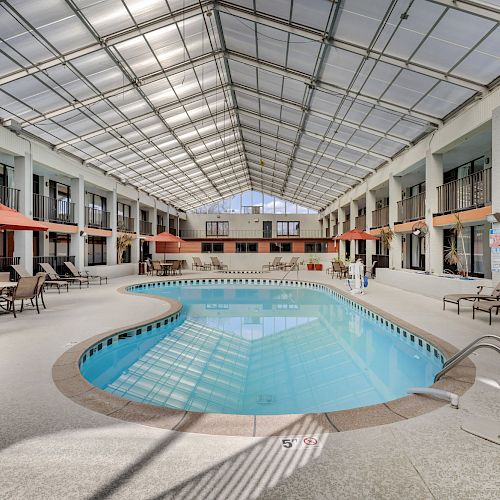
(145, 227)
(95, 217)
(53, 210)
(380, 217)
(335, 230)
(201, 234)
(346, 226)
(411, 208)
(469, 192)
(9, 197)
(360, 222)
(6, 262)
(56, 262)
(125, 224)
(160, 228)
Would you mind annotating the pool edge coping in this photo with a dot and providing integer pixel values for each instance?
(68, 379)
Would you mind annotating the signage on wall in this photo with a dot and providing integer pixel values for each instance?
(495, 238)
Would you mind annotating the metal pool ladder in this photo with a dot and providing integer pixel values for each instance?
(473, 346)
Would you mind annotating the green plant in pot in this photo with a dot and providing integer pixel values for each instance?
(452, 256)
(458, 229)
(310, 263)
(123, 241)
(386, 237)
(317, 265)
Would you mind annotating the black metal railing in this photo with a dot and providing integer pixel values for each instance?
(53, 210)
(465, 193)
(125, 224)
(412, 208)
(380, 217)
(160, 228)
(360, 222)
(9, 197)
(95, 217)
(335, 230)
(346, 226)
(6, 263)
(145, 227)
(382, 260)
(200, 234)
(56, 262)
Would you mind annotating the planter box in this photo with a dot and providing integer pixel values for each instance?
(318, 267)
(310, 267)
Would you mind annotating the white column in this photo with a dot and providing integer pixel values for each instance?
(23, 180)
(135, 250)
(353, 214)
(394, 196)
(153, 213)
(44, 241)
(77, 245)
(342, 218)
(111, 253)
(370, 244)
(495, 190)
(434, 242)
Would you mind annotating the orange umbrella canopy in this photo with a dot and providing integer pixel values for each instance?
(164, 238)
(12, 219)
(356, 234)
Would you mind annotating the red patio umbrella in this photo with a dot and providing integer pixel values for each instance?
(165, 238)
(354, 235)
(12, 219)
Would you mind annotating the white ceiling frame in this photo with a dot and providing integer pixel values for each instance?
(318, 36)
(321, 138)
(328, 87)
(294, 105)
(110, 40)
(475, 7)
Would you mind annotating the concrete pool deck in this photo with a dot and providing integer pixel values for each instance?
(54, 448)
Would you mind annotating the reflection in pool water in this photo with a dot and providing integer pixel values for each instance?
(262, 349)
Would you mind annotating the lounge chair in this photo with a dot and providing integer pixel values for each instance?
(26, 289)
(275, 264)
(84, 274)
(53, 276)
(199, 265)
(23, 273)
(217, 264)
(456, 298)
(486, 306)
(293, 264)
(42, 277)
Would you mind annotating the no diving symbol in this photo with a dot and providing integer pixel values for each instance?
(310, 441)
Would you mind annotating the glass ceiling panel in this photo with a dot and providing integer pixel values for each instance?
(176, 129)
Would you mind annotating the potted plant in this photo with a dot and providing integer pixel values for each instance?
(123, 241)
(386, 236)
(458, 229)
(310, 263)
(452, 255)
(317, 265)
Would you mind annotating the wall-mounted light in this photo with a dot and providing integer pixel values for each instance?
(493, 217)
(83, 233)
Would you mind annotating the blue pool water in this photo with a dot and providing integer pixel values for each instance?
(262, 350)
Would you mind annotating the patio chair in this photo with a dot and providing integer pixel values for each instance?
(39, 287)
(84, 274)
(157, 268)
(53, 276)
(344, 270)
(23, 273)
(275, 264)
(456, 298)
(293, 264)
(486, 306)
(217, 264)
(176, 267)
(26, 289)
